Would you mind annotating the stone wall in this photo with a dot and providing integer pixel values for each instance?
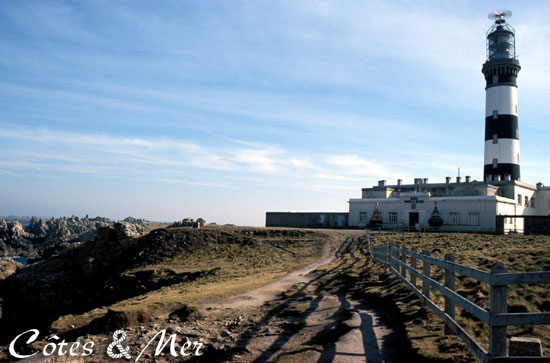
(307, 219)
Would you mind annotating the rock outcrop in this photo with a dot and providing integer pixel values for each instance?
(98, 273)
(48, 237)
(38, 227)
(128, 230)
(9, 267)
(190, 222)
(14, 241)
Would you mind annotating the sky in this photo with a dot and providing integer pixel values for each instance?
(228, 109)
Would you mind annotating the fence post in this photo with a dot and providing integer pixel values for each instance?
(450, 284)
(395, 255)
(413, 265)
(367, 242)
(388, 257)
(404, 261)
(499, 304)
(426, 272)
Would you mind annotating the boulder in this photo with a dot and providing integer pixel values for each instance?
(37, 227)
(9, 267)
(188, 222)
(15, 229)
(126, 230)
(3, 226)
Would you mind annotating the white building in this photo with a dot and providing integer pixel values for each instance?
(470, 205)
(463, 205)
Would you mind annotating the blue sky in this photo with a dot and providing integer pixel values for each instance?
(228, 109)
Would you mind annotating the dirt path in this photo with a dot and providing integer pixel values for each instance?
(308, 323)
(269, 292)
(306, 316)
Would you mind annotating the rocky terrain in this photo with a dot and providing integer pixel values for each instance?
(122, 264)
(252, 295)
(160, 281)
(46, 237)
(75, 280)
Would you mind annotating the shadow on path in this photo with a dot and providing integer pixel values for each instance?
(346, 328)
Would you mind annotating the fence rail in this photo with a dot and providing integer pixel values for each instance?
(498, 279)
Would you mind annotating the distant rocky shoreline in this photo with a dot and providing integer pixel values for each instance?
(45, 237)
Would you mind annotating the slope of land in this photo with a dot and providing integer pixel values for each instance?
(352, 310)
(117, 280)
(262, 294)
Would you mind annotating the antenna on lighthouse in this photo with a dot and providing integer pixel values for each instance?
(499, 16)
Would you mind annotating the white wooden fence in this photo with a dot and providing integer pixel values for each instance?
(497, 317)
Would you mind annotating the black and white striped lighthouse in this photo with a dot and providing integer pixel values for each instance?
(501, 102)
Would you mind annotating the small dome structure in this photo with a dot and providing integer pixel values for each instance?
(435, 220)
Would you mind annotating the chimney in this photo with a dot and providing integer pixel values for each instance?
(458, 179)
(381, 183)
(399, 182)
(468, 178)
(425, 180)
(448, 180)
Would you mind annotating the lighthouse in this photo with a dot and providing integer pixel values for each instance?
(501, 161)
(501, 203)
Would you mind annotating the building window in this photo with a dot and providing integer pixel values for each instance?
(533, 204)
(473, 218)
(516, 109)
(495, 79)
(495, 163)
(454, 218)
(495, 138)
(518, 158)
(392, 217)
(495, 115)
(363, 217)
(526, 201)
(519, 199)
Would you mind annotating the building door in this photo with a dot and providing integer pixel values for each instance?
(413, 219)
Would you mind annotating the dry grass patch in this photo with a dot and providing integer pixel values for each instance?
(517, 252)
(228, 262)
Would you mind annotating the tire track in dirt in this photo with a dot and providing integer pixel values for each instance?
(269, 292)
(312, 324)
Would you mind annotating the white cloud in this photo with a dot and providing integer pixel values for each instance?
(167, 159)
(356, 165)
(258, 161)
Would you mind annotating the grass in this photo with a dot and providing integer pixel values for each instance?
(517, 252)
(369, 280)
(246, 259)
(236, 261)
